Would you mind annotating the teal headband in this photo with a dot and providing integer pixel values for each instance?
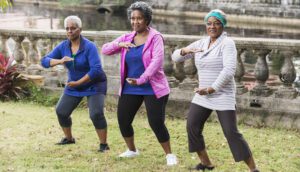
(218, 15)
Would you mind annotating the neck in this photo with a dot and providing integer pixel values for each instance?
(143, 33)
(212, 40)
(76, 41)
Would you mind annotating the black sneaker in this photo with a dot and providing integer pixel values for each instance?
(103, 147)
(65, 141)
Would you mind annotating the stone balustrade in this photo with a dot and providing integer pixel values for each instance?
(260, 105)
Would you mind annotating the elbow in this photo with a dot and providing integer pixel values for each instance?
(104, 51)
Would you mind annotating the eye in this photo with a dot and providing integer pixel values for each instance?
(71, 28)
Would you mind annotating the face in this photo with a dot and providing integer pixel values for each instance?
(73, 31)
(138, 21)
(214, 27)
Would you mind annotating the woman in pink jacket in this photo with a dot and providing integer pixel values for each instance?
(142, 79)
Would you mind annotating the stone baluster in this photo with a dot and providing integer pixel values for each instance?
(287, 76)
(261, 73)
(168, 65)
(239, 73)
(284, 3)
(3, 47)
(43, 47)
(190, 82)
(18, 53)
(51, 74)
(33, 56)
(25, 45)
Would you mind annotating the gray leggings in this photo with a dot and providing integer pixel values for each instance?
(195, 123)
(67, 104)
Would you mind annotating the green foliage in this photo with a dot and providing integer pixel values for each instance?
(4, 4)
(12, 83)
(40, 96)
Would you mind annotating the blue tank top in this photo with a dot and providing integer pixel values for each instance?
(135, 68)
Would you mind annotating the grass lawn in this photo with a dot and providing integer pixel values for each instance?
(28, 133)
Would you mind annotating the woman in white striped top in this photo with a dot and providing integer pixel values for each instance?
(215, 60)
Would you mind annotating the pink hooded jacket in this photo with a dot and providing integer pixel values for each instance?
(153, 57)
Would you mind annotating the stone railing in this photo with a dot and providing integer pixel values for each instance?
(262, 105)
(271, 8)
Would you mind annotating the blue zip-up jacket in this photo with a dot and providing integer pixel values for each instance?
(86, 61)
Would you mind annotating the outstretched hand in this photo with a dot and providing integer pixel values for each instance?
(73, 84)
(131, 81)
(66, 59)
(185, 51)
(204, 91)
(126, 45)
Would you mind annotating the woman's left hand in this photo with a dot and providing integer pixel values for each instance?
(204, 91)
(131, 81)
(73, 84)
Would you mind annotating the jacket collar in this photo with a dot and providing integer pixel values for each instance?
(152, 33)
(216, 43)
(81, 46)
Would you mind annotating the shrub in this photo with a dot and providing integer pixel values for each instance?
(12, 83)
(41, 96)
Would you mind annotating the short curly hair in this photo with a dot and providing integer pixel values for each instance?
(143, 7)
(74, 19)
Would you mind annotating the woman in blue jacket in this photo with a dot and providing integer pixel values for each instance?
(85, 78)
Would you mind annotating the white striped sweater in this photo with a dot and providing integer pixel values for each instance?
(216, 68)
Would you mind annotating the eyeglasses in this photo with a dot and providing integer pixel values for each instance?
(217, 24)
(71, 29)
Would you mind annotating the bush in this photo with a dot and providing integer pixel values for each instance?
(39, 95)
(12, 83)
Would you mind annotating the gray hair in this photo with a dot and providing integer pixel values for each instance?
(143, 7)
(74, 19)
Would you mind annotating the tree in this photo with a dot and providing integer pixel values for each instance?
(4, 4)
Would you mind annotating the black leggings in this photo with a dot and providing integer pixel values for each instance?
(128, 105)
(197, 117)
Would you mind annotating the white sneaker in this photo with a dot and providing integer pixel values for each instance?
(171, 159)
(129, 154)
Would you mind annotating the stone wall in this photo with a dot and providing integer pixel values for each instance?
(260, 105)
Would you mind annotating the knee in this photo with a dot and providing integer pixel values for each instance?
(156, 124)
(61, 113)
(231, 133)
(191, 124)
(97, 116)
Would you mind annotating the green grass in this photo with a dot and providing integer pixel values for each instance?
(28, 133)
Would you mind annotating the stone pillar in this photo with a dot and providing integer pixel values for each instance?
(287, 76)
(3, 47)
(261, 73)
(168, 65)
(190, 82)
(18, 53)
(239, 73)
(25, 45)
(33, 56)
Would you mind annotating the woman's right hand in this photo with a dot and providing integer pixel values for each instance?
(66, 59)
(185, 51)
(126, 45)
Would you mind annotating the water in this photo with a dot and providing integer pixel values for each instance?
(40, 17)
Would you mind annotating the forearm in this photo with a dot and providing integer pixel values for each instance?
(54, 62)
(86, 78)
